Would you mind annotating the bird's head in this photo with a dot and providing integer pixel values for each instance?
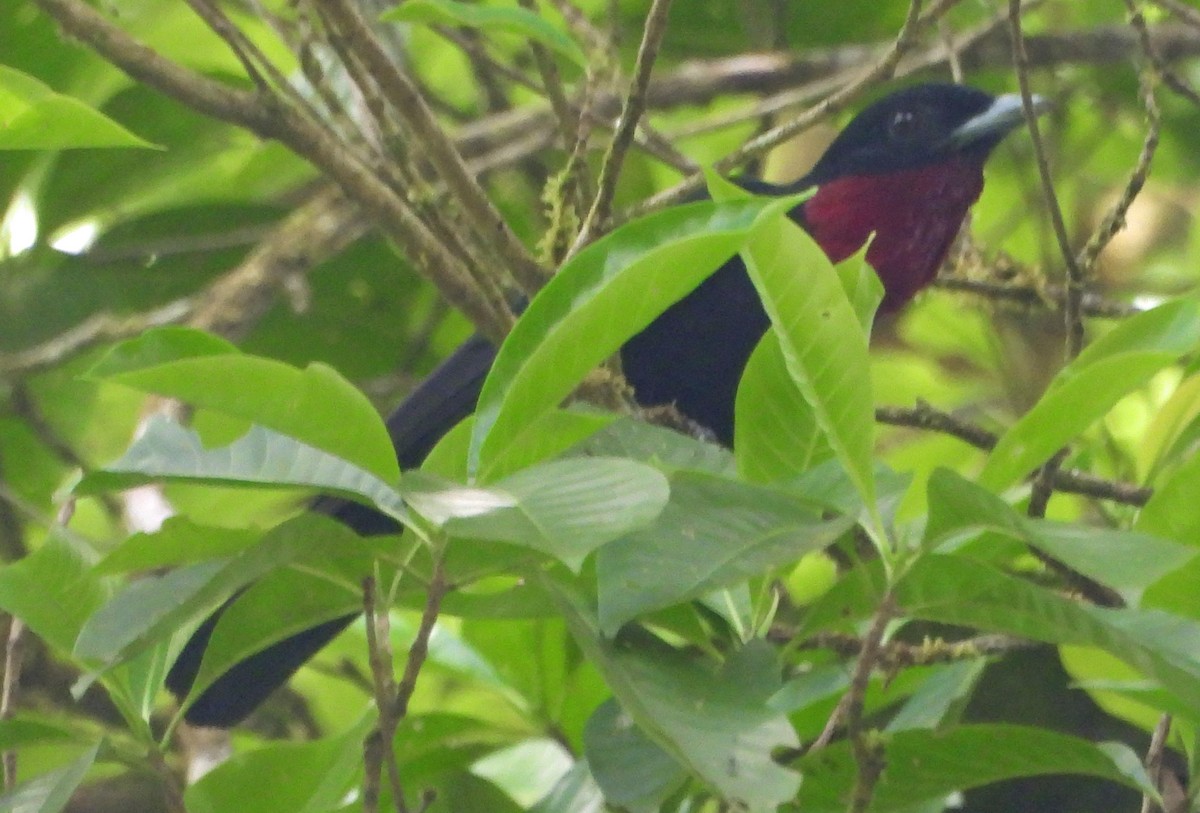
(906, 169)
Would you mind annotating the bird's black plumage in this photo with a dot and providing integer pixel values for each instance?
(691, 356)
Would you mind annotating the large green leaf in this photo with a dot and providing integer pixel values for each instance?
(1121, 559)
(309, 777)
(52, 590)
(179, 541)
(510, 20)
(823, 344)
(925, 765)
(261, 457)
(50, 792)
(634, 773)
(150, 609)
(314, 405)
(1088, 387)
(717, 724)
(956, 590)
(775, 430)
(714, 533)
(1174, 513)
(565, 508)
(34, 117)
(280, 604)
(605, 294)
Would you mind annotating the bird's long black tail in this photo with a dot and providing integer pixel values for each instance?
(446, 397)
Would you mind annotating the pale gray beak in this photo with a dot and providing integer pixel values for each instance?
(1001, 116)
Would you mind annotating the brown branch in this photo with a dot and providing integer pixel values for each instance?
(270, 118)
(420, 647)
(1051, 296)
(631, 113)
(926, 417)
(1182, 10)
(1076, 280)
(552, 85)
(410, 105)
(379, 749)
(14, 651)
(1154, 759)
(1114, 219)
(849, 709)
(208, 96)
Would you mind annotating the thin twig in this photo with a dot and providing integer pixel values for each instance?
(631, 113)
(926, 417)
(417, 653)
(14, 650)
(1154, 759)
(849, 709)
(379, 749)
(1050, 296)
(1076, 280)
(409, 104)
(1114, 219)
(269, 119)
(552, 85)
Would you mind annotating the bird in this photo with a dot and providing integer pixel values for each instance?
(906, 169)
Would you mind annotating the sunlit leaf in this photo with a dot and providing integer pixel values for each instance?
(261, 457)
(1108, 369)
(34, 117)
(604, 295)
(823, 345)
(924, 765)
(507, 19)
(314, 405)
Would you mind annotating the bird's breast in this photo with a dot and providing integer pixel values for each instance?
(914, 214)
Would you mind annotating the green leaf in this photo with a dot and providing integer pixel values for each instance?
(823, 344)
(714, 533)
(1170, 425)
(956, 590)
(314, 405)
(565, 508)
(634, 773)
(179, 541)
(310, 777)
(50, 792)
(34, 117)
(941, 698)
(510, 20)
(18, 732)
(718, 725)
(775, 430)
(1173, 512)
(575, 792)
(1120, 559)
(1088, 387)
(924, 765)
(665, 449)
(261, 457)
(275, 607)
(150, 609)
(601, 297)
(52, 590)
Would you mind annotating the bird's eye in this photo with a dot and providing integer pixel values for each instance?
(907, 126)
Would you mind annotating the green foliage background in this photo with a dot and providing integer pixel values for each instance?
(637, 619)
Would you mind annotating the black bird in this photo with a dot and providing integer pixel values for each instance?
(907, 168)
